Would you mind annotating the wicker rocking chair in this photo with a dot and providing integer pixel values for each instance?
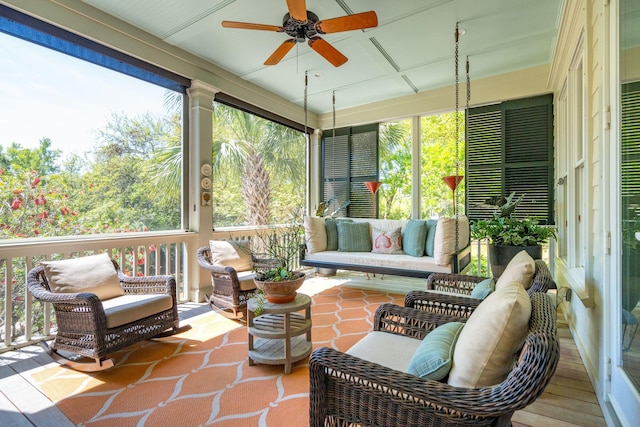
(347, 390)
(90, 327)
(231, 289)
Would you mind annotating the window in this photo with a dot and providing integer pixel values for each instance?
(99, 142)
(259, 169)
(510, 149)
(395, 169)
(577, 134)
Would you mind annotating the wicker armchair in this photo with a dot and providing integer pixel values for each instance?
(81, 319)
(463, 284)
(345, 390)
(229, 292)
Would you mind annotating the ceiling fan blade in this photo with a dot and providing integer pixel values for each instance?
(297, 10)
(327, 51)
(280, 52)
(357, 21)
(250, 26)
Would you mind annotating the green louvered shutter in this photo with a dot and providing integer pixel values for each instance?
(348, 161)
(510, 148)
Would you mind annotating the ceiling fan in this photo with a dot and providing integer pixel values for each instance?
(301, 24)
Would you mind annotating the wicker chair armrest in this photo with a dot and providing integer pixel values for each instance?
(542, 279)
(409, 321)
(445, 304)
(365, 387)
(161, 284)
(453, 283)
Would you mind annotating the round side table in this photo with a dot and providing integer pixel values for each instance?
(280, 335)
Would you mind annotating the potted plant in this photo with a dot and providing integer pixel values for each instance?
(508, 235)
(273, 253)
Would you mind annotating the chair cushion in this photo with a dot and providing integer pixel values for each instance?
(232, 253)
(445, 238)
(246, 280)
(93, 274)
(386, 349)
(315, 234)
(483, 289)
(433, 358)
(386, 242)
(520, 269)
(132, 307)
(331, 226)
(490, 340)
(415, 236)
(431, 236)
(353, 236)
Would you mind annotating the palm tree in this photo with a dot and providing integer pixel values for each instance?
(257, 149)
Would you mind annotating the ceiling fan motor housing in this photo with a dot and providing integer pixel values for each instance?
(299, 30)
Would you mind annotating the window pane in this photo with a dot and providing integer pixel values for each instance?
(395, 169)
(259, 169)
(438, 150)
(84, 149)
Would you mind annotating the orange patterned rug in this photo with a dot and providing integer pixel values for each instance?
(202, 376)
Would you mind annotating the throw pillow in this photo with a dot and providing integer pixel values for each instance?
(520, 269)
(353, 237)
(386, 242)
(490, 340)
(93, 274)
(415, 236)
(315, 234)
(431, 236)
(434, 356)
(332, 232)
(232, 253)
(483, 289)
(445, 238)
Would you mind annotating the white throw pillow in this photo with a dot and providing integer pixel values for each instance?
(387, 242)
(93, 274)
(232, 253)
(491, 339)
(521, 269)
(315, 234)
(445, 240)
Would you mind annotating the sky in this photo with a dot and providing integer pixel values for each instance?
(44, 93)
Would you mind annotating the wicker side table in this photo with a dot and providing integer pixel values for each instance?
(280, 335)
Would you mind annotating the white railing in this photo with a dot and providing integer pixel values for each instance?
(24, 321)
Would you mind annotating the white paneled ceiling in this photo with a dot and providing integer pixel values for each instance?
(411, 50)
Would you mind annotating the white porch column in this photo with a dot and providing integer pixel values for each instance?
(200, 210)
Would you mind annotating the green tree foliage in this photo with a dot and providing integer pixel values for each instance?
(258, 160)
(395, 170)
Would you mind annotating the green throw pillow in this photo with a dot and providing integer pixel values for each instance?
(332, 232)
(434, 357)
(483, 289)
(414, 238)
(431, 236)
(353, 237)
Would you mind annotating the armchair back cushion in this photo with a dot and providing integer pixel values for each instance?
(521, 269)
(93, 274)
(490, 340)
(232, 253)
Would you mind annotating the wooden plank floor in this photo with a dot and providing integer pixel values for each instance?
(568, 400)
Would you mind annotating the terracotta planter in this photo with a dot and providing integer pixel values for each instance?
(282, 291)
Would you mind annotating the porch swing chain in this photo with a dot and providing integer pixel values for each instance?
(455, 192)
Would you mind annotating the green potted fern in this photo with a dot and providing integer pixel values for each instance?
(508, 235)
